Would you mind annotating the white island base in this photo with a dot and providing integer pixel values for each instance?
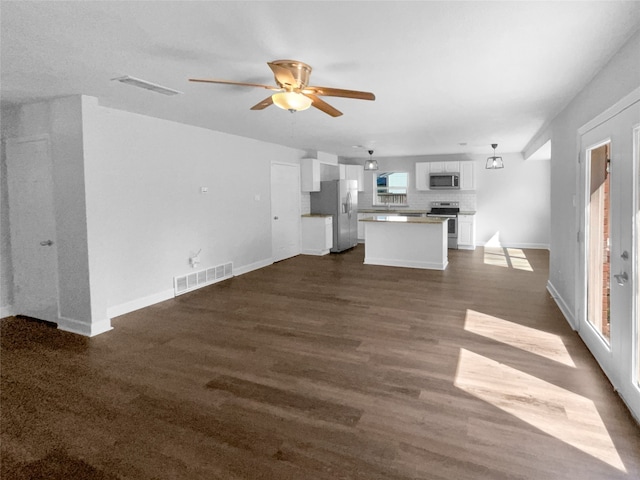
(414, 242)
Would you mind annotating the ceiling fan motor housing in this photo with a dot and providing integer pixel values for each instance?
(300, 72)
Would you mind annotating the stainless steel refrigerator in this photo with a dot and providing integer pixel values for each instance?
(340, 199)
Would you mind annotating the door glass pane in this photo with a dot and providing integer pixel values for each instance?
(636, 309)
(598, 231)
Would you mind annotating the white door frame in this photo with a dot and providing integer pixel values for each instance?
(50, 314)
(620, 361)
(298, 200)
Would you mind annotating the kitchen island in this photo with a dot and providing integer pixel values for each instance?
(399, 241)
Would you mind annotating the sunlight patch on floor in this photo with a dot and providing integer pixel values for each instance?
(525, 338)
(554, 410)
(507, 257)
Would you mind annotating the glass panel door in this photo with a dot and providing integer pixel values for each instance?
(636, 233)
(608, 320)
(598, 238)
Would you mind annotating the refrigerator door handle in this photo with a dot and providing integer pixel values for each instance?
(349, 204)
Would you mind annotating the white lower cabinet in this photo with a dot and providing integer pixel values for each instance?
(466, 232)
(361, 226)
(317, 234)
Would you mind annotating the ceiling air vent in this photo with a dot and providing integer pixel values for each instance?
(154, 87)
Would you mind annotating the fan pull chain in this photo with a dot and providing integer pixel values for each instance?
(292, 125)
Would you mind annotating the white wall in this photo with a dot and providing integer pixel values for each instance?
(513, 202)
(145, 215)
(617, 79)
(61, 120)
(6, 272)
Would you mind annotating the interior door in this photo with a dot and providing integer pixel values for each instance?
(608, 322)
(32, 225)
(285, 211)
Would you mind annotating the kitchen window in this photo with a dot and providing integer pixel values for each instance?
(391, 188)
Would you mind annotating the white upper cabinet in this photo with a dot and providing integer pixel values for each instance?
(451, 167)
(444, 167)
(436, 167)
(422, 175)
(467, 176)
(353, 172)
(310, 175)
(465, 169)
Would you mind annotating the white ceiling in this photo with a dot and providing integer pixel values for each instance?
(444, 73)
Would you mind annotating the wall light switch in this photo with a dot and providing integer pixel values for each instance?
(204, 189)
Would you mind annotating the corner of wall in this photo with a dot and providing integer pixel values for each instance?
(82, 328)
(562, 305)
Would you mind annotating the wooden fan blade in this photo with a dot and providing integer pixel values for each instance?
(283, 75)
(228, 82)
(263, 104)
(324, 106)
(339, 92)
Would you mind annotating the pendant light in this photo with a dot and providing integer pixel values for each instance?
(493, 163)
(370, 164)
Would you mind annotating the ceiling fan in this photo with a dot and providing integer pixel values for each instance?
(293, 92)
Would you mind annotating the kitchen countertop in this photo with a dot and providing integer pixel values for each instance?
(316, 215)
(401, 211)
(382, 211)
(402, 219)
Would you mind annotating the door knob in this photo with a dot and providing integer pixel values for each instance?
(622, 278)
(275, 218)
(46, 243)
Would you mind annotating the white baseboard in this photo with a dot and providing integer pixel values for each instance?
(562, 305)
(139, 303)
(82, 328)
(7, 311)
(315, 252)
(252, 266)
(533, 246)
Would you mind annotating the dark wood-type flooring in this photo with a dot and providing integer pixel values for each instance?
(322, 368)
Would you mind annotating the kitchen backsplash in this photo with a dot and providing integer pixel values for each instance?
(417, 201)
(305, 203)
(422, 200)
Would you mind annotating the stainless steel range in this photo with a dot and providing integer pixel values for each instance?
(447, 210)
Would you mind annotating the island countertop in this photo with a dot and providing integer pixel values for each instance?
(384, 211)
(403, 219)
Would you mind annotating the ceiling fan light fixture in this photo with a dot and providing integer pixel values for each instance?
(494, 162)
(370, 164)
(292, 101)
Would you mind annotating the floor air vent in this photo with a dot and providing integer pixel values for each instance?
(202, 278)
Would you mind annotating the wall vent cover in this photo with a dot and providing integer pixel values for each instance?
(202, 278)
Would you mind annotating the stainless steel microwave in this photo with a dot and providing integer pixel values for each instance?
(444, 181)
